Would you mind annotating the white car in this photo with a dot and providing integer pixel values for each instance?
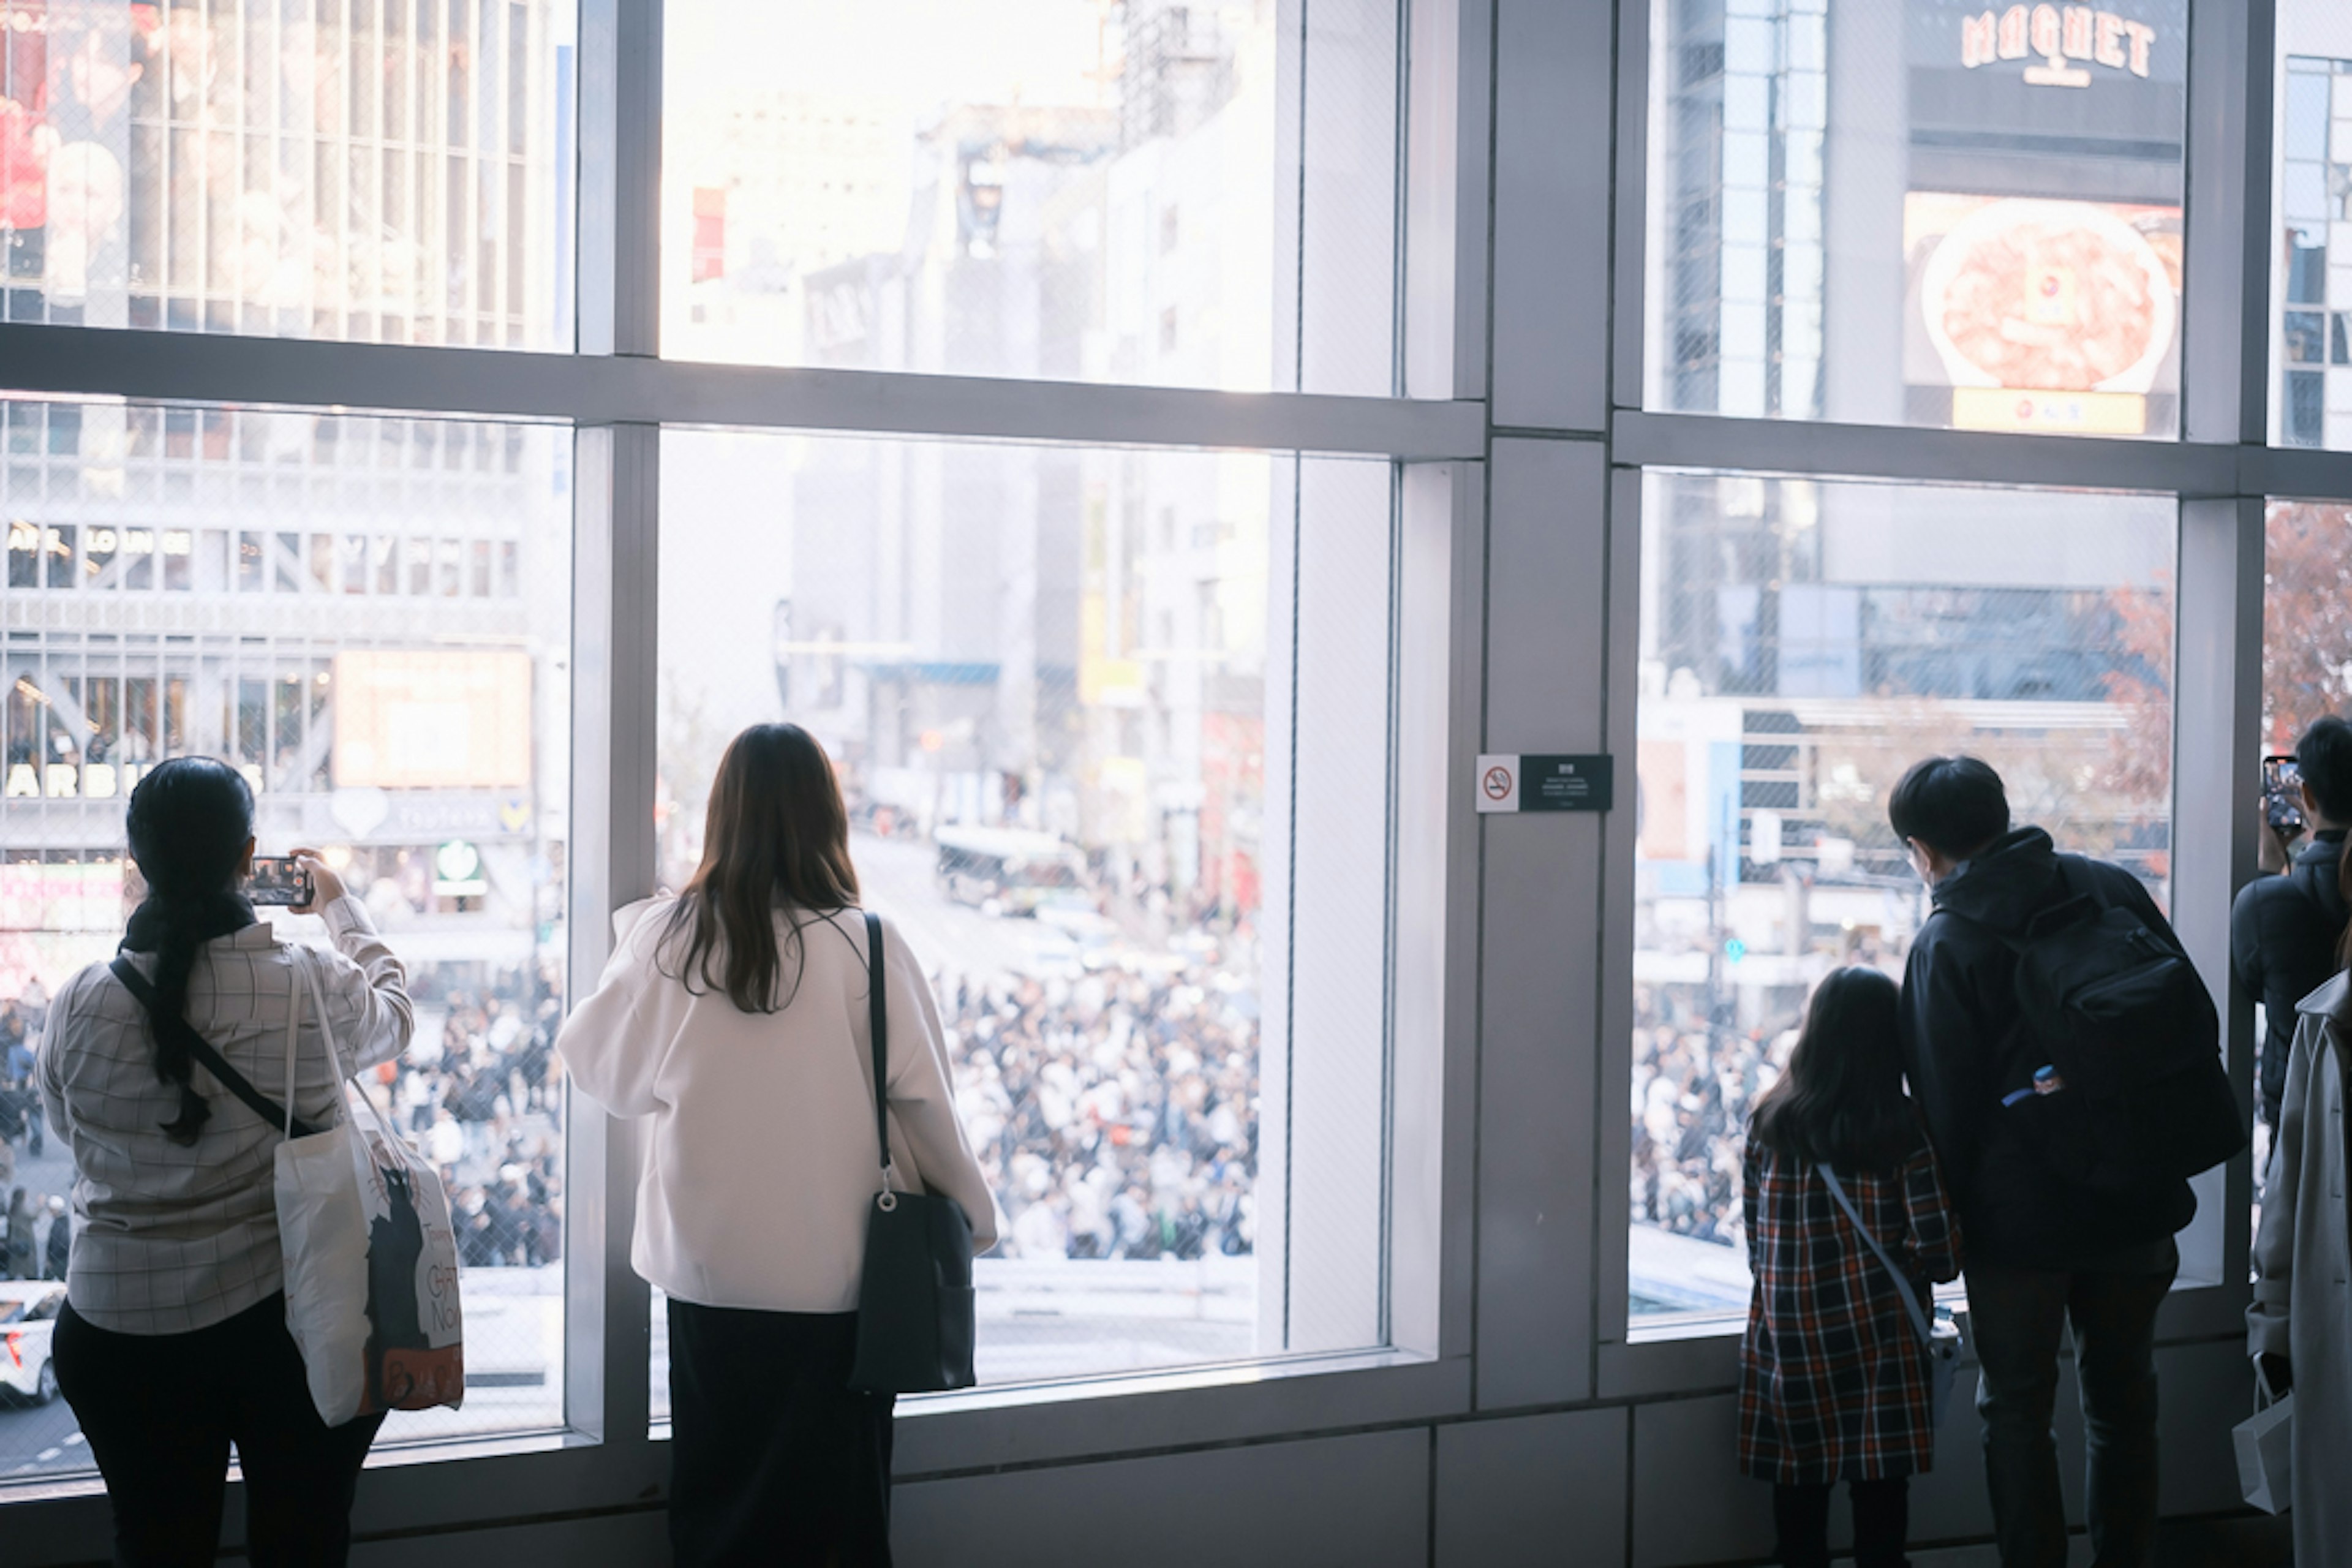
(28, 1316)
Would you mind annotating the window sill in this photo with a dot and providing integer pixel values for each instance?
(1665, 1327)
(1018, 1425)
(1008, 1426)
(1695, 1352)
(488, 1445)
(390, 1456)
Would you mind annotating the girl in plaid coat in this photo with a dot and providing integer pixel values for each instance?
(1833, 1383)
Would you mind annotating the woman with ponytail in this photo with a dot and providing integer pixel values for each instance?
(173, 1344)
(2299, 1328)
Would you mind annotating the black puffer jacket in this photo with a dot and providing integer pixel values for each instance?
(2283, 936)
(1965, 1046)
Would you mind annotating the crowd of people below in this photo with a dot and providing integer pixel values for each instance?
(35, 1234)
(1691, 1094)
(2031, 1104)
(483, 1100)
(1115, 1115)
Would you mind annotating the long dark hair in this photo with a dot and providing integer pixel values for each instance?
(1842, 1102)
(776, 838)
(2344, 891)
(190, 821)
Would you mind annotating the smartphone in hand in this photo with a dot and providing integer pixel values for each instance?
(2283, 795)
(278, 879)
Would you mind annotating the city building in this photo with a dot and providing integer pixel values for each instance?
(374, 670)
(1367, 572)
(2314, 208)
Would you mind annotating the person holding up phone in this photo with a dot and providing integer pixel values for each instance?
(173, 1344)
(2285, 924)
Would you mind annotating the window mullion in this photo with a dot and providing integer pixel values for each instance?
(607, 1305)
(2225, 302)
(620, 177)
(2216, 771)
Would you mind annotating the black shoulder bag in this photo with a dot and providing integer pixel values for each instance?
(914, 1299)
(235, 1082)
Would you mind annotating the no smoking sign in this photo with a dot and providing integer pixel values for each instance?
(1518, 781)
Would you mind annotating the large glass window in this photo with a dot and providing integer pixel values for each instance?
(1157, 193)
(173, 588)
(2306, 653)
(1920, 212)
(1802, 642)
(2307, 618)
(390, 171)
(1096, 713)
(2310, 199)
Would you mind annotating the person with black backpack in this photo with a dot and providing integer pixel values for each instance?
(2067, 1057)
(2284, 926)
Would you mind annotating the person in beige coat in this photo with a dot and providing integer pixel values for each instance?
(733, 1019)
(2300, 1324)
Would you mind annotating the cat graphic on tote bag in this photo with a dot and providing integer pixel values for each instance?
(411, 1296)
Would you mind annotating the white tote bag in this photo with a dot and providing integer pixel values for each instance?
(2265, 1445)
(371, 1259)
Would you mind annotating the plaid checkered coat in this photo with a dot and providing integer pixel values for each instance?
(1833, 1379)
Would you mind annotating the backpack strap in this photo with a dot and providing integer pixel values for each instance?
(200, 1048)
(1902, 1287)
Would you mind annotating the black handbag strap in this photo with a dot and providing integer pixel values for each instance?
(199, 1047)
(877, 1028)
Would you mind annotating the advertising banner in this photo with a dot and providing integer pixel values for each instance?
(458, 719)
(2042, 221)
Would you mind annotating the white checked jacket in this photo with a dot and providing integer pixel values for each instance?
(170, 1239)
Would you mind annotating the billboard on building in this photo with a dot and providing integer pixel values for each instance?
(453, 718)
(2040, 314)
(2042, 215)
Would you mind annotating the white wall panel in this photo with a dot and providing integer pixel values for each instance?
(1683, 1452)
(1533, 1489)
(614, 1541)
(1340, 1502)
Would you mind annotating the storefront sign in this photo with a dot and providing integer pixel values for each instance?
(457, 871)
(88, 781)
(2056, 35)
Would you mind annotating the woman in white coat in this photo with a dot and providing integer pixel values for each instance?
(733, 1018)
(2300, 1324)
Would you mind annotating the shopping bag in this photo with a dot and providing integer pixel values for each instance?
(2265, 1444)
(371, 1259)
(415, 1350)
(322, 1235)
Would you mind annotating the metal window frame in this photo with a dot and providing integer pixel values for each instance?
(2221, 476)
(618, 395)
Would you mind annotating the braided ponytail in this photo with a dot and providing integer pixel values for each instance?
(190, 821)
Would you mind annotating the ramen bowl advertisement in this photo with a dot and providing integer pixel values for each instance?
(2042, 315)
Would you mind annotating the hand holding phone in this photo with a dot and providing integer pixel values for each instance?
(325, 887)
(2283, 795)
(280, 880)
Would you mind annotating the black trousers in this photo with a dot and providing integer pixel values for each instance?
(161, 1411)
(2017, 1319)
(773, 1460)
(1882, 1518)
